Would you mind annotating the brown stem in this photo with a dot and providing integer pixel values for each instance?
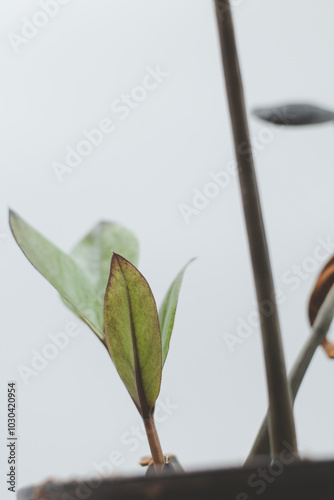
(153, 440)
(329, 348)
(281, 422)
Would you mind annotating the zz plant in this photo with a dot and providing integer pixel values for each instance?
(100, 283)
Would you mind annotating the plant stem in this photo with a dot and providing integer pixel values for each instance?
(153, 439)
(319, 330)
(281, 422)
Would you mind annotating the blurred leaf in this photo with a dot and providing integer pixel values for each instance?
(93, 254)
(323, 285)
(295, 114)
(133, 333)
(61, 271)
(167, 312)
(321, 289)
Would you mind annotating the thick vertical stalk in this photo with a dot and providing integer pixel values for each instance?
(153, 439)
(281, 422)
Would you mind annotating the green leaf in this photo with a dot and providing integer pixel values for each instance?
(93, 254)
(167, 312)
(61, 271)
(133, 333)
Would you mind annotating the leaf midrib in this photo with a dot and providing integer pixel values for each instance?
(144, 408)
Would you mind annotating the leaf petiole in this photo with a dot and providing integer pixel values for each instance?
(154, 442)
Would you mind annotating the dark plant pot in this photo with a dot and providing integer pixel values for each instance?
(299, 481)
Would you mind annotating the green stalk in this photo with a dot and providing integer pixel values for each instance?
(281, 422)
(318, 333)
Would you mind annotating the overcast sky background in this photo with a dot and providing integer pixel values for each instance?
(76, 413)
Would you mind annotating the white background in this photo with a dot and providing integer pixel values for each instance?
(74, 412)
